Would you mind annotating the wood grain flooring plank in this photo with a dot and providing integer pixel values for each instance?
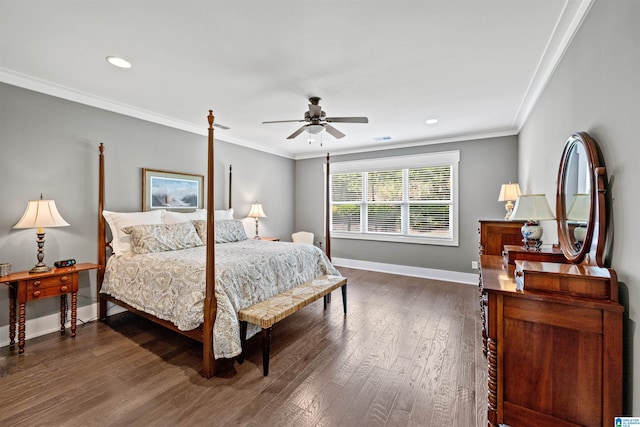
(425, 397)
(381, 408)
(360, 403)
(398, 418)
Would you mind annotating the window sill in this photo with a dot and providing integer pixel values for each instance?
(395, 239)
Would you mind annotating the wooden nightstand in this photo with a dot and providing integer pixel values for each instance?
(270, 239)
(25, 287)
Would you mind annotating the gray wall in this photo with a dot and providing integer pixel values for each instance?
(49, 145)
(596, 88)
(484, 165)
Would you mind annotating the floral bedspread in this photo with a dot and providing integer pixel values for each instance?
(171, 285)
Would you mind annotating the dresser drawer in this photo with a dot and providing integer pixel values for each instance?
(50, 286)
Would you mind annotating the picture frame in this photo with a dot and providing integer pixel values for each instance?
(173, 191)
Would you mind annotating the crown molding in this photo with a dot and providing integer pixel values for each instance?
(567, 26)
(494, 133)
(48, 88)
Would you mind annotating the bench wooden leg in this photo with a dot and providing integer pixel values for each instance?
(325, 300)
(243, 340)
(344, 298)
(266, 346)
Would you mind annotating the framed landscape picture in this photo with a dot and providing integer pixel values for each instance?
(171, 190)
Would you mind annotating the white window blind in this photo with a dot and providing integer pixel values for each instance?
(407, 199)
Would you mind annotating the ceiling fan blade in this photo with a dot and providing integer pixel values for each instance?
(333, 131)
(298, 132)
(315, 110)
(283, 121)
(347, 119)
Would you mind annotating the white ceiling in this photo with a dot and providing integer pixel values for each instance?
(476, 65)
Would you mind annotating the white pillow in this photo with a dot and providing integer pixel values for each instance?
(169, 217)
(223, 214)
(121, 242)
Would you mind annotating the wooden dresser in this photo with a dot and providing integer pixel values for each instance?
(494, 234)
(554, 350)
(552, 323)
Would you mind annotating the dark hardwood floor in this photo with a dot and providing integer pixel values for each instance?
(407, 354)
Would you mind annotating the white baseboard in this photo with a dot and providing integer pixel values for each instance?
(51, 323)
(405, 270)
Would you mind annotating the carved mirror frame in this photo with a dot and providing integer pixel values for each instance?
(581, 173)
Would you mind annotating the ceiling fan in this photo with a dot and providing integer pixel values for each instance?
(317, 121)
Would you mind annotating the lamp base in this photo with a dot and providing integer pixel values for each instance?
(534, 244)
(579, 233)
(39, 269)
(509, 208)
(531, 234)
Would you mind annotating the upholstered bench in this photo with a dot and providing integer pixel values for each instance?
(267, 313)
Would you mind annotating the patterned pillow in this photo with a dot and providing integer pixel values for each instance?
(226, 230)
(147, 239)
(121, 242)
(201, 228)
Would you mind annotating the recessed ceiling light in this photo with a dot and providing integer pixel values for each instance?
(118, 62)
(432, 121)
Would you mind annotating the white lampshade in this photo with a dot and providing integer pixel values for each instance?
(579, 210)
(256, 211)
(41, 214)
(509, 192)
(532, 207)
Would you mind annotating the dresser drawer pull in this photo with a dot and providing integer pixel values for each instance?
(36, 283)
(36, 294)
(63, 288)
(64, 278)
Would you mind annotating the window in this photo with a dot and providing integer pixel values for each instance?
(405, 199)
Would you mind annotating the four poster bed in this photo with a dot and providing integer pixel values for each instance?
(182, 273)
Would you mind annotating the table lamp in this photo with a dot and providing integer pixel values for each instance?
(41, 214)
(532, 208)
(256, 212)
(508, 193)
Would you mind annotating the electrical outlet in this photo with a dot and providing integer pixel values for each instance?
(474, 264)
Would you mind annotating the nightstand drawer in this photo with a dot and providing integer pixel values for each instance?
(49, 286)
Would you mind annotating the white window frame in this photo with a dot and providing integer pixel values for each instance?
(444, 158)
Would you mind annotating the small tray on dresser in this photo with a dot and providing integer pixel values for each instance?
(511, 253)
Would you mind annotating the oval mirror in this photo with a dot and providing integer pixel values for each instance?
(579, 204)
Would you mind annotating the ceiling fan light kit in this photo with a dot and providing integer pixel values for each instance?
(317, 121)
(314, 129)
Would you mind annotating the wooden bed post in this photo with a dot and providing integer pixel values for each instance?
(230, 177)
(327, 213)
(210, 304)
(102, 249)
